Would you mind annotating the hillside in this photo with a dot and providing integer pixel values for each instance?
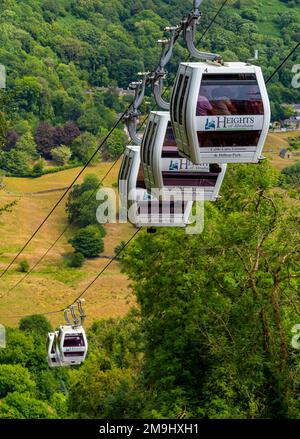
(53, 284)
(67, 48)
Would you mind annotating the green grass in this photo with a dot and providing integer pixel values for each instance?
(62, 273)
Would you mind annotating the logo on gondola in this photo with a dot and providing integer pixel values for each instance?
(182, 165)
(173, 166)
(210, 124)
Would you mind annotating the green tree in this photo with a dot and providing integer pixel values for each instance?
(88, 241)
(82, 203)
(61, 154)
(16, 162)
(27, 144)
(36, 324)
(15, 378)
(28, 93)
(84, 146)
(23, 406)
(115, 145)
(217, 317)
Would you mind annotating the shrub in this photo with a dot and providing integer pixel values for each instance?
(24, 266)
(61, 155)
(76, 260)
(36, 323)
(88, 241)
(38, 168)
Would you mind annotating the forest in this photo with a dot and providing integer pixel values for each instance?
(64, 58)
(210, 333)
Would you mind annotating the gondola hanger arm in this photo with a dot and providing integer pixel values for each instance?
(160, 73)
(131, 118)
(66, 315)
(81, 312)
(189, 28)
(74, 316)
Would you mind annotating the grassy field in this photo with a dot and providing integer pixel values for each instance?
(275, 142)
(53, 285)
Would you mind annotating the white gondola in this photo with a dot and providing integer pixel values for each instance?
(53, 360)
(220, 112)
(139, 207)
(164, 168)
(71, 345)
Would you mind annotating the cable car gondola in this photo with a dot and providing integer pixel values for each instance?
(52, 355)
(68, 346)
(71, 345)
(164, 168)
(220, 112)
(142, 209)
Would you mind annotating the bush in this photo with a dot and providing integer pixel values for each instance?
(36, 323)
(76, 260)
(24, 266)
(61, 155)
(82, 204)
(38, 168)
(88, 241)
(292, 174)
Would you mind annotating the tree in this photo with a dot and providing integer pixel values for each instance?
(90, 120)
(45, 139)
(28, 93)
(115, 145)
(108, 378)
(82, 203)
(84, 146)
(48, 137)
(27, 144)
(23, 406)
(15, 378)
(217, 317)
(3, 130)
(11, 140)
(291, 174)
(36, 324)
(61, 154)
(69, 132)
(16, 162)
(88, 241)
